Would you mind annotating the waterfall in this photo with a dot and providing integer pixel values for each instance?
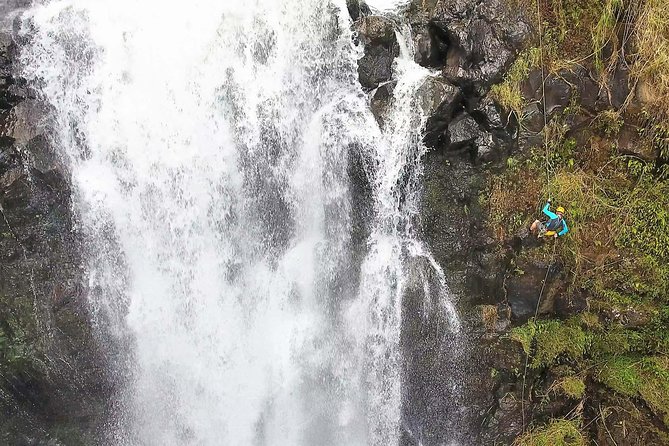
(209, 147)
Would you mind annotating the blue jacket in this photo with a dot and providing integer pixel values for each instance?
(555, 220)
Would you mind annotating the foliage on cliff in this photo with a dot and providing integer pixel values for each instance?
(607, 164)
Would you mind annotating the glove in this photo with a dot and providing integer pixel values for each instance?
(550, 200)
(555, 236)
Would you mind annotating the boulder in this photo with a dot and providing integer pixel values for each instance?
(357, 9)
(557, 94)
(570, 304)
(380, 101)
(584, 87)
(618, 86)
(489, 115)
(463, 135)
(533, 119)
(530, 86)
(462, 132)
(439, 100)
(627, 142)
(524, 289)
(437, 97)
(475, 41)
(377, 35)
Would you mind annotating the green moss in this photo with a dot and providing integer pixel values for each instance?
(620, 374)
(616, 342)
(524, 335)
(644, 222)
(572, 386)
(655, 385)
(551, 340)
(556, 433)
(558, 339)
(589, 321)
(656, 334)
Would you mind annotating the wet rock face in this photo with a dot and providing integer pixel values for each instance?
(56, 391)
(377, 34)
(474, 42)
(357, 9)
(526, 285)
(470, 128)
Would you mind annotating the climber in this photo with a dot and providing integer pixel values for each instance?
(554, 227)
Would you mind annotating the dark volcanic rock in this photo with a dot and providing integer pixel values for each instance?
(628, 144)
(462, 132)
(447, 99)
(490, 116)
(377, 34)
(56, 391)
(380, 101)
(557, 94)
(357, 9)
(476, 41)
(585, 88)
(526, 287)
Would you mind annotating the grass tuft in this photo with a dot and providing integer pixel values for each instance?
(572, 386)
(555, 433)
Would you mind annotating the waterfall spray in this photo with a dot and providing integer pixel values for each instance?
(208, 146)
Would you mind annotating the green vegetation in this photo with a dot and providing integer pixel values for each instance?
(651, 69)
(551, 340)
(508, 93)
(643, 377)
(556, 433)
(578, 32)
(572, 386)
(617, 200)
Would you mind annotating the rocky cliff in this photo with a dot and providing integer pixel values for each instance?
(52, 383)
(566, 339)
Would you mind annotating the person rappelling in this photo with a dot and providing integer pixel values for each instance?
(556, 226)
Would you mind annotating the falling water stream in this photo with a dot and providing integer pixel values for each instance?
(209, 145)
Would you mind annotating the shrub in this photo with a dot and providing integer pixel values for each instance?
(508, 92)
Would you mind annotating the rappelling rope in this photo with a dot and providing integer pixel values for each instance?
(543, 92)
(548, 180)
(534, 319)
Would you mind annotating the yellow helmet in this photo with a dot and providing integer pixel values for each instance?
(560, 209)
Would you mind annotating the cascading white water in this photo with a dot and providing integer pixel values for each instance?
(208, 145)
